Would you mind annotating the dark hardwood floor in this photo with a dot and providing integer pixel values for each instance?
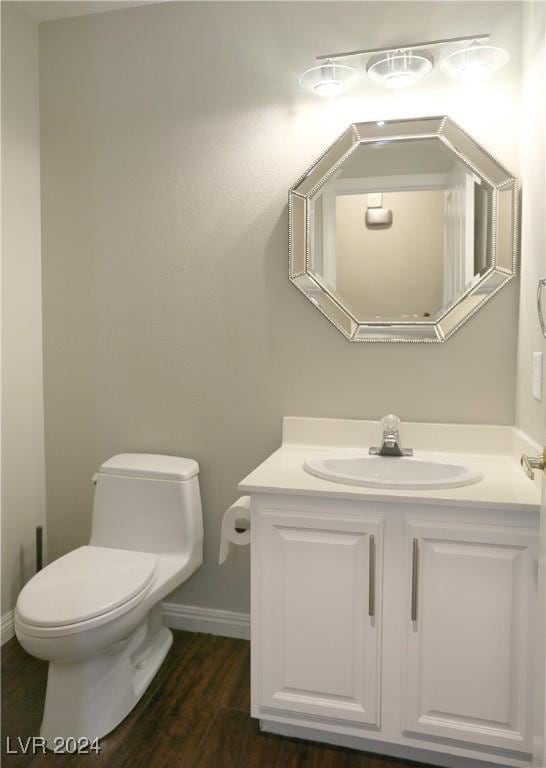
(195, 714)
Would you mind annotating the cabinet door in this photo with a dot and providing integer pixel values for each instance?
(468, 641)
(319, 614)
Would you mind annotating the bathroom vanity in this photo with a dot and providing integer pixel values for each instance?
(394, 620)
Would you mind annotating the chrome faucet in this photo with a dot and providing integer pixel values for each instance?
(390, 442)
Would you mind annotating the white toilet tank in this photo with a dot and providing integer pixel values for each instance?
(149, 503)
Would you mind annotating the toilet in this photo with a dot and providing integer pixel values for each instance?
(95, 613)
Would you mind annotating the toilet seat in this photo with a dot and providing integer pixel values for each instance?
(83, 589)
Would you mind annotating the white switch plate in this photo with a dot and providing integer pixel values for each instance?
(537, 375)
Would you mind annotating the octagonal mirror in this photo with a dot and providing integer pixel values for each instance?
(402, 230)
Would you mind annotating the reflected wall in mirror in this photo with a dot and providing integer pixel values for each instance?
(402, 230)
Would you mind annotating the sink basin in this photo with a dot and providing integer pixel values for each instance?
(423, 470)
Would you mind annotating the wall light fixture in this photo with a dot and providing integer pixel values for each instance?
(465, 58)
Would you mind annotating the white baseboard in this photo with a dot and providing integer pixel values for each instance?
(209, 620)
(189, 617)
(8, 630)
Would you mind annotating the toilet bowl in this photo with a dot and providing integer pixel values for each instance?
(95, 613)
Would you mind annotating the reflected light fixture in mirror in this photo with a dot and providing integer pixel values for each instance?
(475, 62)
(399, 69)
(328, 79)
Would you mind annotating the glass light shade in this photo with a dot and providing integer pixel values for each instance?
(474, 62)
(398, 69)
(328, 79)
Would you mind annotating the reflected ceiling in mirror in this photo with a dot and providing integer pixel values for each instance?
(402, 230)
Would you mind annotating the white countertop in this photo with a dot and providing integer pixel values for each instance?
(495, 450)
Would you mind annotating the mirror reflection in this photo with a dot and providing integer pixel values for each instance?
(400, 230)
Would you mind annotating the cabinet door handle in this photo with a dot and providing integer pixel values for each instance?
(414, 579)
(371, 580)
(541, 284)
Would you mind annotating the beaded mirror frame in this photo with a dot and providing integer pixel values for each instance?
(502, 240)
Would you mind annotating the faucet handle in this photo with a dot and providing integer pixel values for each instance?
(391, 423)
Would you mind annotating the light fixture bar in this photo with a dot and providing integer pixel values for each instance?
(412, 47)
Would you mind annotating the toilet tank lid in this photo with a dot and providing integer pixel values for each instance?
(150, 465)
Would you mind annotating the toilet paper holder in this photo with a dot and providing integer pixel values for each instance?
(235, 527)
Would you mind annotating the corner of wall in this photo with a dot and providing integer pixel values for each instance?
(530, 412)
(22, 411)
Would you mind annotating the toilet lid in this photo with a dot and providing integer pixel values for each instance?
(83, 584)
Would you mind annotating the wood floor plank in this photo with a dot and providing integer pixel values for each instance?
(235, 741)
(195, 714)
(23, 689)
(306, 754)
(237, 695)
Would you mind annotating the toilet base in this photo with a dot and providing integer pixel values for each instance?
(88, 699)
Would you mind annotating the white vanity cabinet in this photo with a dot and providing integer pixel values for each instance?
(394, 627)
(468, 640)
(319, 600)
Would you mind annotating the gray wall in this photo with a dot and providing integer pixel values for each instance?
(391, 271)
(530, 412)
(23, 468)
(170, 135)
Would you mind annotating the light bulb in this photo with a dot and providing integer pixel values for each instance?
(398, 69)
(329, 79)
(474, 70)
(474, 62)
(328, 88)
